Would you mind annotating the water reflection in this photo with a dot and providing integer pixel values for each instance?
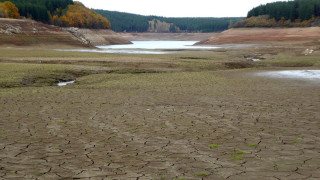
(293, 74)
(146, 47)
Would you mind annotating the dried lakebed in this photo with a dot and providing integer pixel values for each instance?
(291, 74)
(198, 123)
(162, 126)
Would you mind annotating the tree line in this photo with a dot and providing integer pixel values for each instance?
(201, 24)
(65, 13)
(124, 21)
(297, 13)
(38, 9)
(127, 22)
(297, 10)
(77, 15)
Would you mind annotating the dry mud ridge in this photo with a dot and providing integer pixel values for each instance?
(208, 125)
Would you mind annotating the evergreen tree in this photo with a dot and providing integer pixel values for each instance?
(38, 9)
(291, 10)
(126, 22)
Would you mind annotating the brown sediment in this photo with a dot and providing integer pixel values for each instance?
(29, 32)
(262, 35)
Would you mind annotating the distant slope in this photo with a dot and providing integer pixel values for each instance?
(297, 13)
(121, 22)
(262, 35)
(293, 10)
(126, 22)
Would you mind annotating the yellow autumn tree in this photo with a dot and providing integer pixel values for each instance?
(77, 15)
(9, 10)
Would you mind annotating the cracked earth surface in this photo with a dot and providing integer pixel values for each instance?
(259, 128)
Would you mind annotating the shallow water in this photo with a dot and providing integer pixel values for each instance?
(153, 45)
(146, 47)
(293, 74)
(119, 51)
(65, 83)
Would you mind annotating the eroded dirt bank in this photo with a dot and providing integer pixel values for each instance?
(263, 35)
(29, 32)
(98, 37)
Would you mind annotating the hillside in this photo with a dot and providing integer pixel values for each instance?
(38, 9)
(63, 13)
(29, 32)
(296, 13)
(261, 35)
(126, 22)
(288, 10)
(77, 15)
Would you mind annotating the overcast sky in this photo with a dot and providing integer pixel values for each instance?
(179, 8)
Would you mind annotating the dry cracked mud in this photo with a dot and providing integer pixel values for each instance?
(196, 125)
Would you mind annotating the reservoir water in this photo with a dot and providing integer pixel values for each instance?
(65, 83)
(169, 45)
(147, 47)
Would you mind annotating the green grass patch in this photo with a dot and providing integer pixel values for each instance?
(239, 152)
(202, 174)
(62, 122)
(214, 146)
(252, 145)
(236, 158)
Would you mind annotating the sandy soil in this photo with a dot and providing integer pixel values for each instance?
(262, 35)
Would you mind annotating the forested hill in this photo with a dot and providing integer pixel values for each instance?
(38, 9)
(292, 10)
(65, 13)
(126, 22)
(297, 13)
